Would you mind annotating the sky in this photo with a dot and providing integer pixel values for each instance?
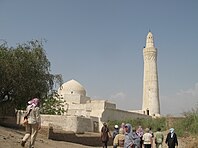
(99, 43)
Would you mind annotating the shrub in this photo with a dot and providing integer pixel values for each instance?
(152, 123)
(189, 124)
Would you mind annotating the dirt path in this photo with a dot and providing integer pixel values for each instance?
(11, 138)
(180, 141)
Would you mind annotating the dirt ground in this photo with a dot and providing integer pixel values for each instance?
(11, 138)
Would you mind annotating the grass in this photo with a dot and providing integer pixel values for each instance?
(185, 126)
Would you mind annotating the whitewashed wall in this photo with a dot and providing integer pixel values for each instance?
(68, 123)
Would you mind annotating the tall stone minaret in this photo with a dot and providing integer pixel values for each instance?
(151, 104)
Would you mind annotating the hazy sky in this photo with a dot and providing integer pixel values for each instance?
(100, 44)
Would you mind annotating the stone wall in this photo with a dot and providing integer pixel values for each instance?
(10, 120)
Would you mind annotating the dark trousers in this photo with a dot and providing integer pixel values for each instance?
(141, 142)
(104, 144)
(147, 145)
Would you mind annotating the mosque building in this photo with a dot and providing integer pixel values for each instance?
(87, 114)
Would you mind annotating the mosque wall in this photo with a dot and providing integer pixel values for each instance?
(98, 107)
(76, 99)
(116, 114)
(77, 106)
(77, 112)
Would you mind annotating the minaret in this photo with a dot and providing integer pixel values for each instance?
(151, 104)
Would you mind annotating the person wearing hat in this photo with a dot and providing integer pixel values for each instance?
(171, 139)
(147, 139)
(116, 131)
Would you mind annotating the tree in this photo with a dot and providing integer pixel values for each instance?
(53, 104)
(25, 73)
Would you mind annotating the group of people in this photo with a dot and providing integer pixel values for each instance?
(127, 137)
(123, 137)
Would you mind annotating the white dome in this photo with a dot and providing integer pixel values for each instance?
(72, 87)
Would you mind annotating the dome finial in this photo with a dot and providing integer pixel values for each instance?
(149, 30)
(149, 40)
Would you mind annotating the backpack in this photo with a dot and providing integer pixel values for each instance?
(158, 140)
(159, 137)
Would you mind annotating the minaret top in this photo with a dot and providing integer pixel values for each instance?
(149, 40)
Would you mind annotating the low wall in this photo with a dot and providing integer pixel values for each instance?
(88, 139)
(8, 115)
(8, 121)
(77, 124)
(68, 123)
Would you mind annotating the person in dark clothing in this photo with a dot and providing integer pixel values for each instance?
(116, 131)
(171, 139)
(151, 132)
(105, 134)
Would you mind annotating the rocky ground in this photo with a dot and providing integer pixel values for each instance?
(11, 138)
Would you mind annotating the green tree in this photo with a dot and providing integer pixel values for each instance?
(25, 73)
(53, 104)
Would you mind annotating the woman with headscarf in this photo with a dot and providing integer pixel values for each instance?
(136, 138)
(171, 139)
(128, 142)
(34, 122)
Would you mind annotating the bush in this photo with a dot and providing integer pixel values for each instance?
(53, 104)
(189, 124)
(152, 123)
(184, 126)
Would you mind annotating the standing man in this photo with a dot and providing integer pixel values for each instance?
(34, 122)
